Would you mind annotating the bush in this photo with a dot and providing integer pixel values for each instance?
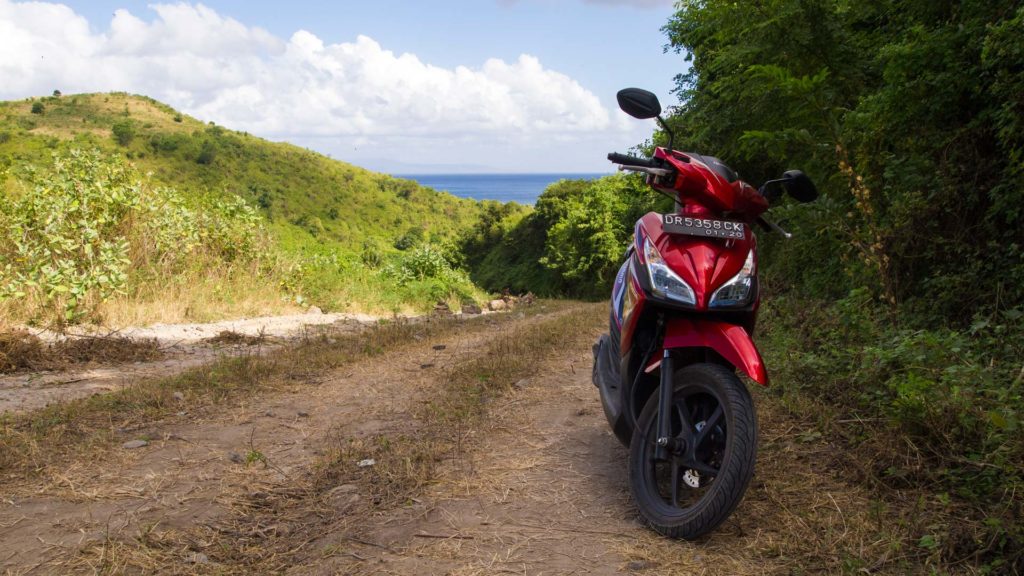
(411, 238)
(426, 274)
(38, 108)
(75, 236)
(207, 152)
(123, 131)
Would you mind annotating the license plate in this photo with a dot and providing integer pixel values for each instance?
(706, 227)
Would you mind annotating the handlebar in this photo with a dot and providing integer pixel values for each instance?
(627, 160)
(773, 227)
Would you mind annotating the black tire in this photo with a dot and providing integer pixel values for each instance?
(606, 378)
(728, 449)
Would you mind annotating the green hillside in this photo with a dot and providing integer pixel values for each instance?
(329, 199)
(333, 235)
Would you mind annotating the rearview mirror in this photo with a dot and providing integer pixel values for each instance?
(799, 186)
(638, 103)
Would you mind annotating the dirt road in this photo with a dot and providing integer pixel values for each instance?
(181, 346)
(281, 482)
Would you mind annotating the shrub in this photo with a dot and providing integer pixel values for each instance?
(123, 131)
(207, 152)
(38, 108)
(75, 236)
(411, 238)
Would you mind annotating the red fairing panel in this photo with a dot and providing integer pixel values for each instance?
(703, 263)
(731, 341)
(698, 182)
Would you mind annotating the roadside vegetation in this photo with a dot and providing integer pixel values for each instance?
(118, 210)
(893, 320)
(894, 315)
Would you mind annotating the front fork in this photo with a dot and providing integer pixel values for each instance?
(665, 392)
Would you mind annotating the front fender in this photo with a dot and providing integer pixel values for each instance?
(730, 341)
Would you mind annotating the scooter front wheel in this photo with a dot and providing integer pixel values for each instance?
(709, 458)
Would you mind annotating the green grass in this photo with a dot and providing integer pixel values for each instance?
(336, 233)
(332, 202)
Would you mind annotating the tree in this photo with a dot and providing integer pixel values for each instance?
(123, 131)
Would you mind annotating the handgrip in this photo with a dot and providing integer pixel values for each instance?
(627, 160)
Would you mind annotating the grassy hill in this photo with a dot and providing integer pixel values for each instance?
(327, 198)
(333, 234)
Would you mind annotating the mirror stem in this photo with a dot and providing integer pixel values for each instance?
(671, 135)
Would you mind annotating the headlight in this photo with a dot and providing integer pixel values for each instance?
(665, 282)
(739, 290)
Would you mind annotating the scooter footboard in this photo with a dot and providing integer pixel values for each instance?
(730, 341)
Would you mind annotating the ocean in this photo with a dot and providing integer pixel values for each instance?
(521, 188)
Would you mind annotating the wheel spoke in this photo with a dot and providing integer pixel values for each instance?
(686, 422)
(675, 483)
(701, 467)
(709, 425)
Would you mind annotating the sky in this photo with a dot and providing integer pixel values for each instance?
(399, 87)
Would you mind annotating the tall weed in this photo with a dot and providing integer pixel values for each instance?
(90, 229)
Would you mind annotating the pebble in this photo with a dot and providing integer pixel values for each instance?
(179, 396)
(198, 558)
(522, 384)
(131, 444)
(303, 414)
(235, 457)
(366, 463)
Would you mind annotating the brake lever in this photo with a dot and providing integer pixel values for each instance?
(773, 227)
(654, 171)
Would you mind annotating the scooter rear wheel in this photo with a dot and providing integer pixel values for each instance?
(710, 459)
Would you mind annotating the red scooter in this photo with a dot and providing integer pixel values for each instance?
(683, 309)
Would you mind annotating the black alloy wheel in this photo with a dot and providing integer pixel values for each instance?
(710, 454)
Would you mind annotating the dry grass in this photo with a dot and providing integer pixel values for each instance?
(23, 351)
(920, 524)
(232, 338)
(279, 525)
(201, 297)
(33, 442)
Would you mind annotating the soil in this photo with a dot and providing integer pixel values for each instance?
(182, 346)
(540, 489)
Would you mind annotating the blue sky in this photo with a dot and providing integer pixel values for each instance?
(490, 85)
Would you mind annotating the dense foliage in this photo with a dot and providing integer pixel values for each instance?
(74, 236)
(903, 291)
(897, 307)
(908, 111)
(569, 244)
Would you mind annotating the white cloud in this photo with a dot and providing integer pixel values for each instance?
(219, 69)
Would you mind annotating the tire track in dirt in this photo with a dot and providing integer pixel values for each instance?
(540, 488)
(544, 491)
(182, 346)
(192, 474)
